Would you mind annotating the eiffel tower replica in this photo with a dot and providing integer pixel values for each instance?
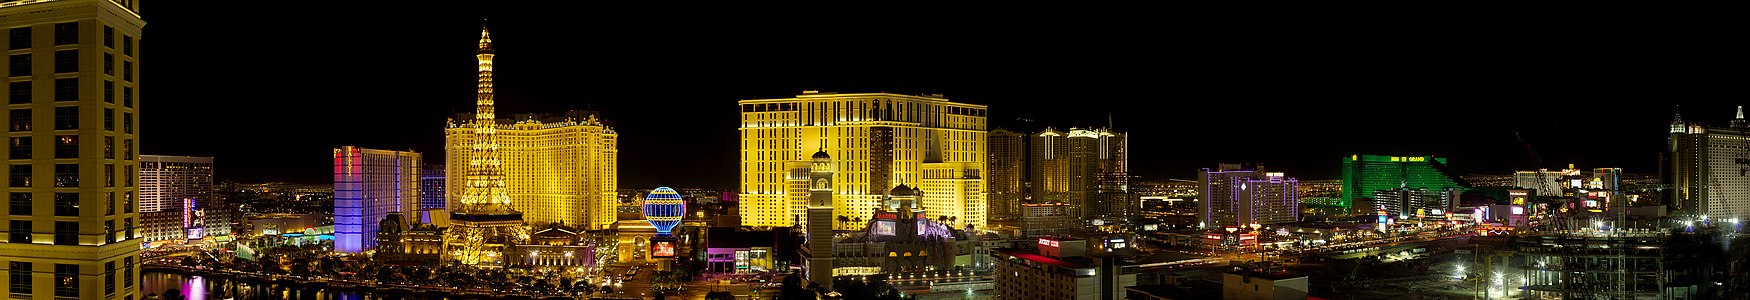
(484, 224)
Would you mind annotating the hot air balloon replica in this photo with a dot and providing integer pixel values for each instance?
(663, 208)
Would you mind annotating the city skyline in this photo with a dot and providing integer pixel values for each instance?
(923, 154)
(413, 77)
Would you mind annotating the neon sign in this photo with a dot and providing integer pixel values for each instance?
(1046, 242)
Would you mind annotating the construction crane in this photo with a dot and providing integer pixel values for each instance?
(1536, 162)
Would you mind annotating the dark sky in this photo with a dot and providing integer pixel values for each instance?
(269, 87)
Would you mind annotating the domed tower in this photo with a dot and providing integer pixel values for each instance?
(818, 253)
(902, 197)
(903, 201)
(820, 175)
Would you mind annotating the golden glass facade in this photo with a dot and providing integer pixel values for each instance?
(1005, 163)
(877, 141)
(72, 226)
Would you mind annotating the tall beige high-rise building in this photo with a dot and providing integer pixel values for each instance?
(877, 141)
(1067, 166)
(557, 168)
(1006, 160)
(71, 81)
(168, 187)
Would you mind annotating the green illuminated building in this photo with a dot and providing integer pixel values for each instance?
(1365, 174)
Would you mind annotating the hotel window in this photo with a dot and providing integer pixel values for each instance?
(128, 228)
(20, 92)
(108, 273)
(20, 147)
(109, 64)
(66, 33)
(20, 119)
(66, 117)
(109, 175)
(128, 150)
(20, 175)
(66, 233)
(130, 174)
(108, 91)
(128, 45)
(20, 231)
(20, 38)
(19, 204)
(66, 204)
(67, 61)
(67, 146)
(20, 65)
(127, 122)
(109, 147)
(109, 204)
(128, 97)
(66, 89)
(109, 119)
(128, 71)
(19, 275)
(128, 273)
(66, 280)
(66, 175)
(109, 37)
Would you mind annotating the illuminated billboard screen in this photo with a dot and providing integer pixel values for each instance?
(662, 249)
(883, 228)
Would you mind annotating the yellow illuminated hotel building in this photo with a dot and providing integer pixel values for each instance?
(877, 141)
(71, 224)
(557, 168)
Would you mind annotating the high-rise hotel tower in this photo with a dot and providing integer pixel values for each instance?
(559, 168)
(1708, 168)
(368, 185)
(876, 140)
(71, 81)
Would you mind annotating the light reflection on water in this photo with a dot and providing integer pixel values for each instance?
(204, 288)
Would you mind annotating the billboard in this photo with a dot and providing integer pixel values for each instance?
(661, 249)
(883, 228)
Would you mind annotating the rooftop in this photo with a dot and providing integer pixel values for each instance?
(1072, 263)
(1277, 275)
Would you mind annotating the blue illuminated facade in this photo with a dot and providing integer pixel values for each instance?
(663, 208)
(368, 185)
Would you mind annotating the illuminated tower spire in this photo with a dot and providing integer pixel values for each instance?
(486, 182)
(485, 223)
(1677, 125)
(1739, 123)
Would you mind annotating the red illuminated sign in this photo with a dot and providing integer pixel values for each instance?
(662, 249)
(1046, 242)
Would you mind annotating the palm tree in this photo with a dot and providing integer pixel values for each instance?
(843, 220)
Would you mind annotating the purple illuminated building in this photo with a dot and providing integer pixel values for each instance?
(368, 185)
(1241, 195)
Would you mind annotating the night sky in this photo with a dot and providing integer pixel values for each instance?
(269, 87)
